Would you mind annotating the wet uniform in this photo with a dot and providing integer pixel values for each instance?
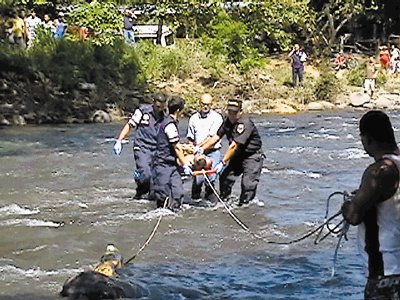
(144, 145)
(167, 182)
(200, 128)
(247, 160)
(379, 245)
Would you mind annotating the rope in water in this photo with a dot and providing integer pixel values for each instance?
(153, 232)
(234, 217)
(340, 228)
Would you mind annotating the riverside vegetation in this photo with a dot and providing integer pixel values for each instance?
(225, 52)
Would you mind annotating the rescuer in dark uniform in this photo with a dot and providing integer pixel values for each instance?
(244, 155)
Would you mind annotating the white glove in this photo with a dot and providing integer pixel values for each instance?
(219, 167)
(187, 170)
(118, 147)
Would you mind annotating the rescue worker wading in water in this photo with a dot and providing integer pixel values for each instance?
(167, 181)
(146, 120)
(244, 155)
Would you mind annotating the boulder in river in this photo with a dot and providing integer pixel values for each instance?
(359, 99)
(100, 116)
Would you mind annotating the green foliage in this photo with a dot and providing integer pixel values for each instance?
(39, 55)
(102, 18)
(68, 63)
(161, 63)
(382, 78)
(189, 16)
(327, 85)
(32, 3)
(282, 74)
(230, 38)
(215, 64)
(332, 15)
(278, 23)
(15, 60)
(355, 76)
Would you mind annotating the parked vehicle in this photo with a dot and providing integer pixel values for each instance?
(149, 32)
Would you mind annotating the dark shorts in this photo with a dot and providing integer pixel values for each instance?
(383, 288)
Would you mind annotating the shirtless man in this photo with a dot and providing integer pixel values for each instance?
(375, 208)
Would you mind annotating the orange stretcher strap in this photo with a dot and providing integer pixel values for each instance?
(203, 172)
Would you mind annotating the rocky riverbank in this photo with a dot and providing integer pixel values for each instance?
(38, 101)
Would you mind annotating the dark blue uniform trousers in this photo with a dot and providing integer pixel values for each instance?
(297, 75)
(167, 183)
(144, 164)
(250, 169)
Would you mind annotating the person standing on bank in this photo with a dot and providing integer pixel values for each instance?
(375, 208)
(370, 77)
(167, 181)
(244, 155)
(129, 22)
(146, 119)
(298, 58)
(202, 125)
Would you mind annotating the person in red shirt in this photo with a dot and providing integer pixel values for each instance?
(384, 57)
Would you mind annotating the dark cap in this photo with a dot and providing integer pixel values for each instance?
(234, 105)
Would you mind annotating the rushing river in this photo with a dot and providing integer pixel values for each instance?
(64, 195)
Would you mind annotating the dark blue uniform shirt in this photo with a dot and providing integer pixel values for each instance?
(147, 125)
(244, 133)
(167, 136)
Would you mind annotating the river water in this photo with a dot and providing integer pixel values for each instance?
(64, 196)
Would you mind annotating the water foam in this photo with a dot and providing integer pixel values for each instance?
(292, 172)
(156, 213)
(352, 153)
(31, 223)
(272, 229)
(14, 271)
(289, 129)
(36, 249)
(324, 136)
(298, 149)
(15, 209)
(333, 118)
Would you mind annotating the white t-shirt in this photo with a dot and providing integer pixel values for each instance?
(201, 128)
(32, 23)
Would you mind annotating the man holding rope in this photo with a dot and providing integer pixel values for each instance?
(375, 208)
(244, 155)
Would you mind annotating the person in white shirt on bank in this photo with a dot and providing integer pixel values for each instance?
(32, 22)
